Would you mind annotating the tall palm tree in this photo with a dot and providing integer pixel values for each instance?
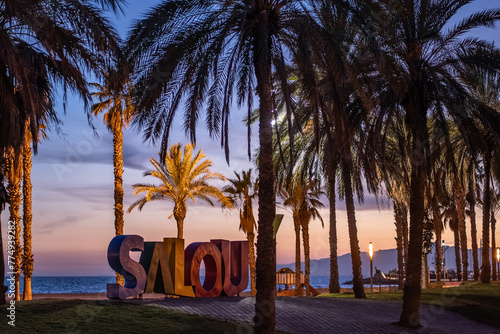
(14, 175)
(27, 256)
(242, 191)
(205, 51)
(426, 52)
(184, 177)
(485, 86)
(392, 162)
(115, 101)
(342, 94)
(4, 198)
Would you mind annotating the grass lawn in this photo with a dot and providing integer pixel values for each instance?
(476, 301)
(85, 316)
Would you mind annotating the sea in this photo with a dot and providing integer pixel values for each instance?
(96, 284)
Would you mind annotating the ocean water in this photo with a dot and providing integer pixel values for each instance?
(95, 284)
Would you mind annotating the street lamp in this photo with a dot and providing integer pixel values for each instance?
(498, 261)
(370, 248)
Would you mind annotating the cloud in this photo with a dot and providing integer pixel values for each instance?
(53, 225)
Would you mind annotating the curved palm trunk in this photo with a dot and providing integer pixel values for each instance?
(456, 239)
(493, 245)
(307, 256)
(357, 281)
(473, 229)
(334, 286)
(296, 226)
(399, 243)
(265, 309)
(460, 200)
(485, 268)
(412, 290)
(118, 192)
(14, 190)
(251, 260)
(27, 258)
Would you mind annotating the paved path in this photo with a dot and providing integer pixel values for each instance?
(329, 315)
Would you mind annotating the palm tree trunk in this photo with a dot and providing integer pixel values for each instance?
(307, 256)
(14, 188)
(493, 245)
(180, 228)
(296, 225)
(27, 263)
(473, 230)
(265, 308)
(460, 200)
(412, 290)
(456, 238)
(485, 268)
(398, 220)
(118, 193)
(251, 247)
(438, 229)
(180, 212)
(357, 280)
(334, 286)
(404, 213)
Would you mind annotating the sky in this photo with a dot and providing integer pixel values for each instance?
(73, 193)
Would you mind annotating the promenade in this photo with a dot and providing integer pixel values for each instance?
(328, 315)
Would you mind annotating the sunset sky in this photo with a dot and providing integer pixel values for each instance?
(73, 193)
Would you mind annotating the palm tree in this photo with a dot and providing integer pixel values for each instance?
(485, 86)
(308, 211)
(14, 174)
(242, 191)
(184, 178)
(205, 51)
(47, 44)
(27, 256)
(341, 93)
(392, 163)
(115, 101)
(302, 199)
(4, 198)
(291, 201)
(425, 58)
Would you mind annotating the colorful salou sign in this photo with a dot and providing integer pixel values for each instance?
(166, 267)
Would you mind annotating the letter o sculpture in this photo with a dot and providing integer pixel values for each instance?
(208, 252)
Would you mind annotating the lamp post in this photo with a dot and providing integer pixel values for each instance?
(370, 248)
(498, 262)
